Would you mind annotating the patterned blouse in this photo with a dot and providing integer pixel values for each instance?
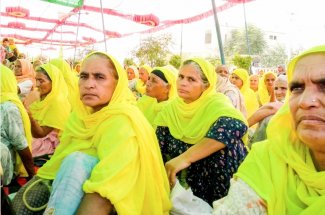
(209, 178)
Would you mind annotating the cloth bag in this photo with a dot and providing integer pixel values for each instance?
(186, 203)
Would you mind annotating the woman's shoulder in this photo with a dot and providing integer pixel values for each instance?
(8, 107)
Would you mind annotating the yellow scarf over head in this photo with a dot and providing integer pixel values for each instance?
(280, 169)
(9, 93)
(251, 102)
(53, 111)
(149, 105)
(190, 122)
(140, 85)
(263, 93)
(130, 172)
(70, 79)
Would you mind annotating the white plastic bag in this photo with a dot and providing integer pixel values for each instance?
(185, 203)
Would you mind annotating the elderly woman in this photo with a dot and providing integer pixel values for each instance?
(25, 76)
(144, 72)
(50, 111)
(266, 88)
(160, 89)
(15, 131)
(227, 88)
(108, 153)
(200, 133)
(240, 78)
(253, 82)
(285, 174)
(133, 77)
(263, 115)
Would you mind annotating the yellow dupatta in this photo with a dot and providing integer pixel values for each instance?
(251, 102)
(140, 85)
(9, 93)
(263, 93)
(70, 79)
(130, 172)
(54, 110)
(190, 122)
(281, 170)
(149, 106)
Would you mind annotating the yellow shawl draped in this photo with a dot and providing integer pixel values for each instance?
(263, 93)
(9, 93)
(54, 110)
(70, 79)
(191, 122)
(281, 169)
(251, 102)
(130, 172)
(140, 85)
(149, 106)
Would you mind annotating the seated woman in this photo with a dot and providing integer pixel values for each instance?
(112, 146)
(144, 72)
(25, 76)
(160, 88)
(253, 82)
(240, 78)
(263, 115)
(265, 90)
(15, 131)
(227, 88)
(285, 174)
(200, 133)
(133, 78)
(50, 111)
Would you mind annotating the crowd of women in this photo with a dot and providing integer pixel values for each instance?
(114, 140)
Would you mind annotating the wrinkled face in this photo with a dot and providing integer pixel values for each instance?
(157, 88)
(307, 101)
(222, 71)
(143, 75)
(43, 84)
(18, 68)
(235, 80)
(130, 73)
(280, 90)
(253, 82)
(269, 81)
(190, 85)
(97, 82)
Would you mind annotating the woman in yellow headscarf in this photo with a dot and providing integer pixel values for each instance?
(160, 89)
(201, 133)
(108, 126)
(48, 113)
(266, 88)
(285, 174)
(15, 130)
(25, 76)
(144, 72)
(240, 78)
(70, 79)
(133, 78)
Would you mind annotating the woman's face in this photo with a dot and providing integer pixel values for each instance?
(307, 101)
(190, 85)
(143, 75)
(235, 80)
(43, 84)
(222, 71)
(17, 68)
(157, 88)
(269, 81)
(280, 90)
(253, 82)
(97, 82)
(130, 73)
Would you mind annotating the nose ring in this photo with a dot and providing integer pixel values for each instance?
(314, 100)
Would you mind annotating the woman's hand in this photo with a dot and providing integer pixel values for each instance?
(174, 166)
(31, 97)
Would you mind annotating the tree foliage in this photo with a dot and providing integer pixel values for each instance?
(128, 62)
(154, 50)
(243, 62)
(175, 61)
(274, 56)
(237, 43)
